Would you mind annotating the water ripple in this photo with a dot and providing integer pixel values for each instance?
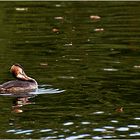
(108, 127)
(110, 69)
(137, 118)
(45, 130)
(77, 137)
(84, 123)
(133, 126)
(98, 112)
(135, 134)
(68, 123)
(20, 131)
(114, 121)
(122, 129)
(99, 129)
(41, 90)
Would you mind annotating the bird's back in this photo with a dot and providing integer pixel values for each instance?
(18, 85)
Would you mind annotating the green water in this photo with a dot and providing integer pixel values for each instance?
(94, 62)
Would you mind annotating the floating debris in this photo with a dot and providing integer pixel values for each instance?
(120, 109)
(99, 29)
(95, 17)
(70, 44)
(55, 30)
(17, 110)
(44, 64)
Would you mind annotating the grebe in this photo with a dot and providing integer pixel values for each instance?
(22, 84)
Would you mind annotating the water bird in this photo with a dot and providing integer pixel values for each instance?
(22, 83)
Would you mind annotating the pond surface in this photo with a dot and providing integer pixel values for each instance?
(85, 57)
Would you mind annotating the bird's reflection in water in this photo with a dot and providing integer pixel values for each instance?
(18, 102)
(21, 99)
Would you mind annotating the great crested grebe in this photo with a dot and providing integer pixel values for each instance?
(22, 84)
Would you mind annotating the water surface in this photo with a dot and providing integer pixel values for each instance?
(87, 69)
